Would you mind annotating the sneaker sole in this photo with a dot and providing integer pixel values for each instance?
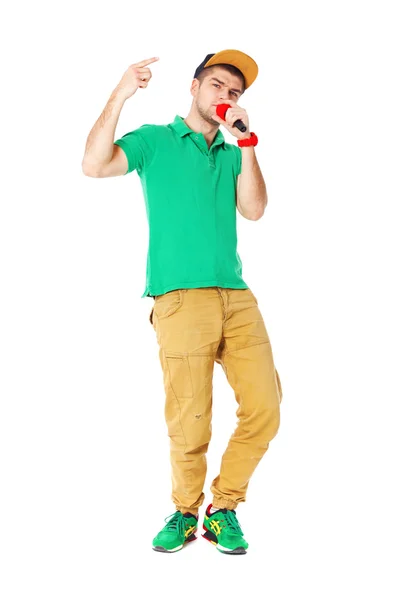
(211, 537)
(191, 538)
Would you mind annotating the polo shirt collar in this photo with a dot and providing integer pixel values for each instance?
(182, 129)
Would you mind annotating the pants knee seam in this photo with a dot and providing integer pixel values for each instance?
(247, 346)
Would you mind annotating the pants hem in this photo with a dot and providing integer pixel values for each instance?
(224, 503)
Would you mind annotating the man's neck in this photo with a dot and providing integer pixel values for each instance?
(199, 125)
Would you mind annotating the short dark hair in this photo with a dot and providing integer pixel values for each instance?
(232, 70)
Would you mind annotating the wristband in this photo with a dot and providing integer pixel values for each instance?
(251, 141)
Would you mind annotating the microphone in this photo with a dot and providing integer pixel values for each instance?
(221, 111)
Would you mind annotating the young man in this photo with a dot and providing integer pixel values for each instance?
(203, 310)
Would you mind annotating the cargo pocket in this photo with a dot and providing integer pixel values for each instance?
(179, 375)
(167, 304)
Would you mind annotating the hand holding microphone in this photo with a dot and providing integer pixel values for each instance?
(221, 112)
(234, 118)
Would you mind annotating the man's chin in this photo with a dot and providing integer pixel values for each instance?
(209, 118)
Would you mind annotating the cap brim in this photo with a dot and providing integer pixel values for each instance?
(238, 59)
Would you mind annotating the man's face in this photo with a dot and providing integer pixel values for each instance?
(219, 85)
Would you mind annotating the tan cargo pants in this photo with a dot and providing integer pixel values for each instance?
(195, 328)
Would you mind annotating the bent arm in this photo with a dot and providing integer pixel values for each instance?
(102, 158)
(252, 195)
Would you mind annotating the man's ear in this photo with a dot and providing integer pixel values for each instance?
(194, 87)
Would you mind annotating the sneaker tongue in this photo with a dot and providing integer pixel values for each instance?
(223, 510)
(187, 515)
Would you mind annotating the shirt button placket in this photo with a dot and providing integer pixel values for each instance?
(211, 159)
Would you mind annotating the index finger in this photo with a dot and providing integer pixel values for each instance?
(148, 61)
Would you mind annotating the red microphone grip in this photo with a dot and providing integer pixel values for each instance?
(221, 112)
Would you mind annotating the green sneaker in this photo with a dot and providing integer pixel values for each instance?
(179, 530)
(223, 530)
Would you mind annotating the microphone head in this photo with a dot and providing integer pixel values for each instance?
(221, 110)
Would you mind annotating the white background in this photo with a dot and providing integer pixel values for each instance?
(85, 480)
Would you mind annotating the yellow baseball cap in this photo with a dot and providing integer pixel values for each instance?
(238, 59)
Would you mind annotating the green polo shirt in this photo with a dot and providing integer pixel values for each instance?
(190, 196)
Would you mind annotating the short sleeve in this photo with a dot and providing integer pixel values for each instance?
(137, 146)
(238, 155)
